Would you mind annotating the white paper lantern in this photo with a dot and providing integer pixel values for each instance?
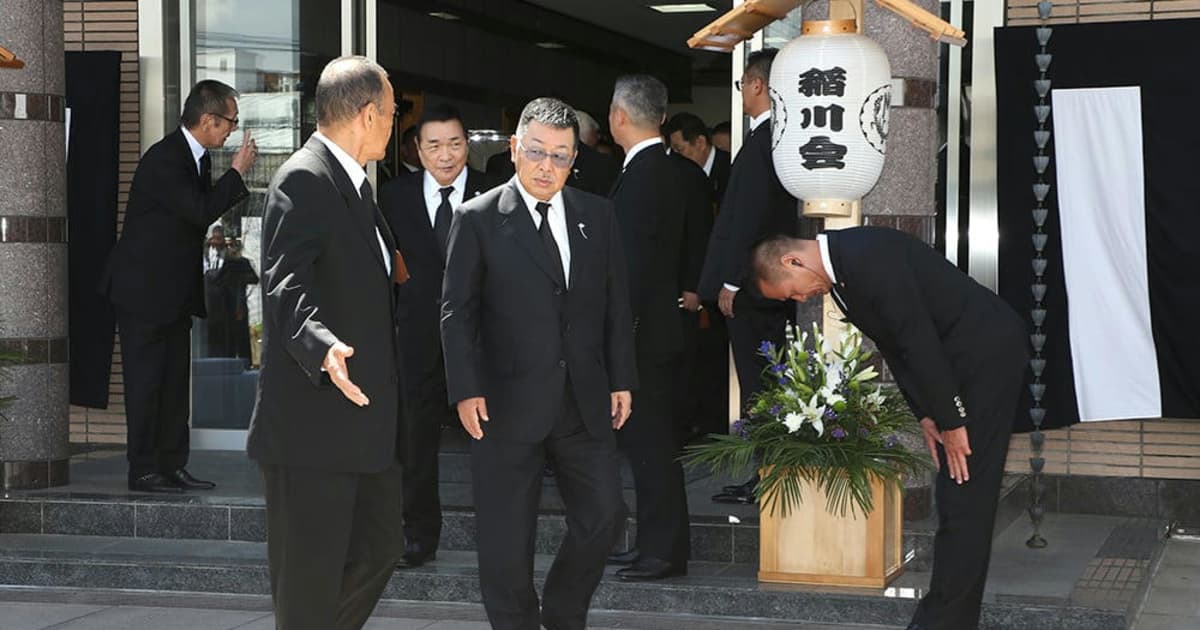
(830, 100)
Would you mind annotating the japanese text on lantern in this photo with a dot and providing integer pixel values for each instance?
(821, 151)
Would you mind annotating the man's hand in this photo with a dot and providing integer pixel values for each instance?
(335, 366)
(622, 406)
(957, 445)
(958, 448)
(689, 301)
(725, 301)
(243, 160)
(470, 412)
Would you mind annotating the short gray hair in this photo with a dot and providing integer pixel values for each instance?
(550, 112)
(206, 97)
(348, 84)
(587, 124)
(643, 98)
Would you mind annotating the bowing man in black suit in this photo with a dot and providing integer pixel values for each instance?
(538, 339)
(419, 208)
(958, 353)
(652, 197)
(324, 429)
(154, 280)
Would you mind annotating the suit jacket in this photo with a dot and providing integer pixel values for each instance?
(939, 330)
(155, 271)
(514, 336)
(499, 168)
(718, 177)
(402, 201)
(323, 281)
(593, 171)
(697, 222)
(652, 198)
(755, 206)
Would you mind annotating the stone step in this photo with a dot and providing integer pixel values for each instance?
(729, 538)
(713, 589)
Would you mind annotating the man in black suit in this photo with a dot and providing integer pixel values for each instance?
(690, 138)
(720, 136)
(419, 208)
(538, 339)
(324, 429)
(703, 387)
(755, 206)
(958, 354)
(155, 280)
(653, 197)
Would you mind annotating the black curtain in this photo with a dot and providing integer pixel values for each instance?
(1149, 55)
(93, 82)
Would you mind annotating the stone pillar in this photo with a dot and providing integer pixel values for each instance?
(34, 433)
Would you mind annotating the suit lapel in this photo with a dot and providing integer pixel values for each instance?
(517, 224)
(578, 237)
(838, 291)
(361, 212)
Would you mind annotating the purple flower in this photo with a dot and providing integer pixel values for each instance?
(891, 441)
(838, 433)
(830, 414)
(776, 410)
(864, 432)
(778, 368)
(782, 381)
(766, 348)
(741, 429)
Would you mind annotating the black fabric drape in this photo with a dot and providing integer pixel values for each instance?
(93, 95)
(1143, 54)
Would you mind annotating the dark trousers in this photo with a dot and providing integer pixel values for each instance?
(648, 440)
(702, 380)
(507, 480)
(752, 323)
(967, 513)
(333, 541)
(423, 436)
(157, 367)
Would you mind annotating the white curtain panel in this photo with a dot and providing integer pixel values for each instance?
(1101, 200)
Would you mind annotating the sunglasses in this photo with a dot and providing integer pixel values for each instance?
(559, 160)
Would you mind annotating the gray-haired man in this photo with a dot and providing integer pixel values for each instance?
(324, 429)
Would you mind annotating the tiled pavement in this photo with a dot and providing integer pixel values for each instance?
(1173, 601)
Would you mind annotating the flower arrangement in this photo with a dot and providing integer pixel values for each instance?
(820, 420)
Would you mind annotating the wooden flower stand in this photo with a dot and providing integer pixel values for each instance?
(812, 546)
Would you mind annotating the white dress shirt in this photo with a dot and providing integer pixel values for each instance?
(823, 245)
(754, 123)
(712, 157)
(198, 149)
(558, 224)
(759, 119)
(357, 176)
(637, 148)
(433, 194)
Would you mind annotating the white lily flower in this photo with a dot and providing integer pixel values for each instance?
(793, 422)
(866, 374)
(830, 396)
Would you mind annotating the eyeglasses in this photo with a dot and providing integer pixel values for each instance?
(233, 121)
(740, 83)
(559, 160)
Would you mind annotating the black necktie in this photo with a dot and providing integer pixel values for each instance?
(206, 170)
(441, 221)
(548, 242)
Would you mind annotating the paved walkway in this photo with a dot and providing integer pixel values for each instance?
(1173, 601)
(69, 609)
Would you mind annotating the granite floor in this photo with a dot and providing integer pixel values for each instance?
(1173, 600)
(100, 610)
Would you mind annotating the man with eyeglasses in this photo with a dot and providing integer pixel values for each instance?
(755, 205)
(538, 340)
(418, 207)
(154, 279)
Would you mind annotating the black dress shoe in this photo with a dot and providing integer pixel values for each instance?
(416, 555)
(916, 625)
(739, 499)
(186, 481)
(154, 482)
(744, 489)
(627, 557)
(646, 569)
